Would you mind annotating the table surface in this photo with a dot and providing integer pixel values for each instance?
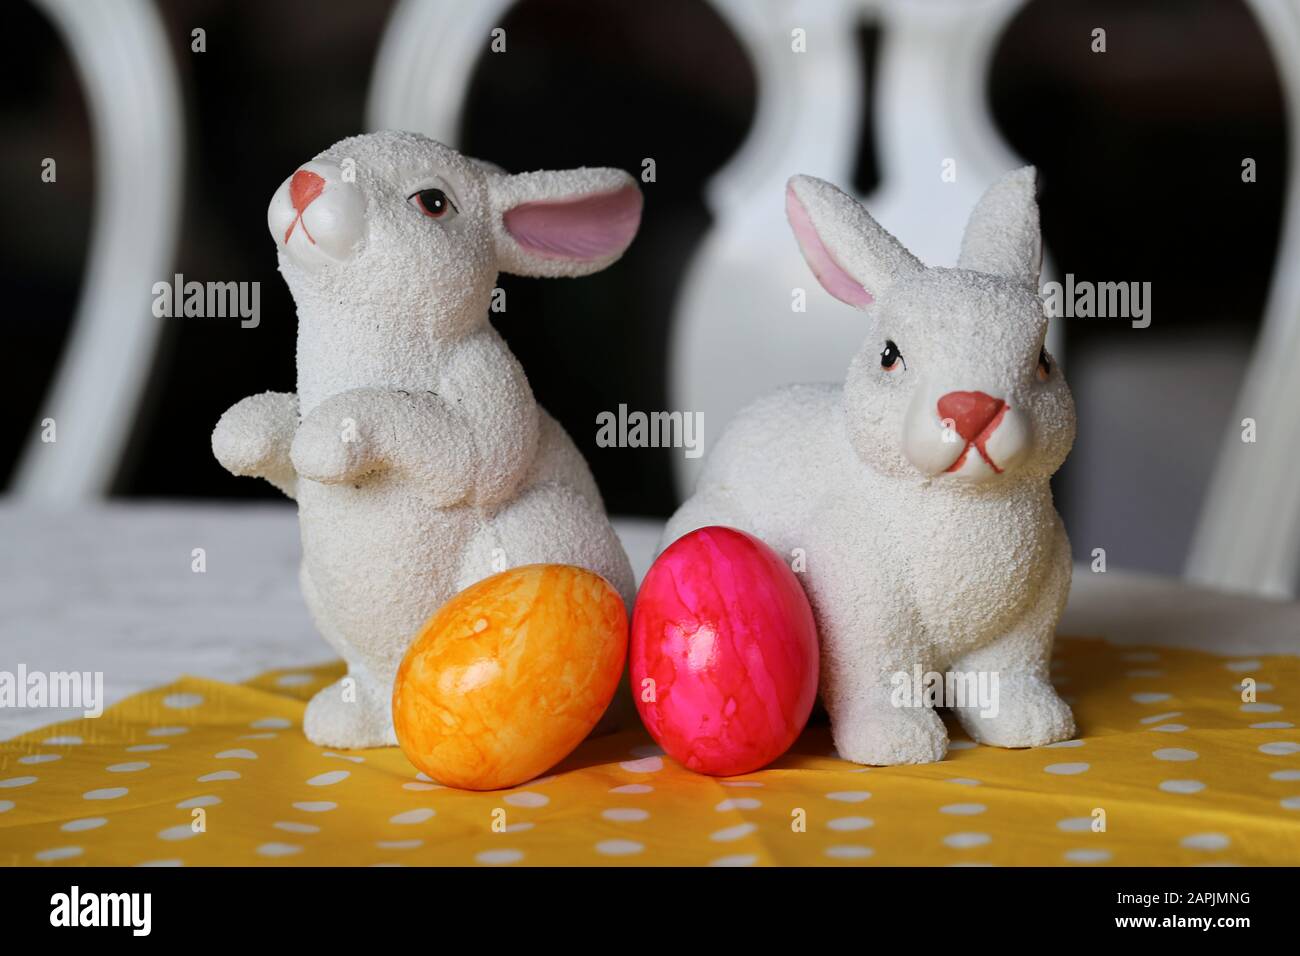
(112, 588)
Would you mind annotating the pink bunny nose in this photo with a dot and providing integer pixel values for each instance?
(971, 412)
(304, 187)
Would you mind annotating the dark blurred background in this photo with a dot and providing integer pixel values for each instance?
(1139, 154)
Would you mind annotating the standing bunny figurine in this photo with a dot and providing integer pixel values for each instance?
(919, 490)
(417, 454)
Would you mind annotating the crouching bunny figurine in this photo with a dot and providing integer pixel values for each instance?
(417, 454)
(918, 492)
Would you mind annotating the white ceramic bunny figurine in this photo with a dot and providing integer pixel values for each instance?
(917, 493)
(417, 454)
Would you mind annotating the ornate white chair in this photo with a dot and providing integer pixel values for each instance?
(736, 300)
(121, 54)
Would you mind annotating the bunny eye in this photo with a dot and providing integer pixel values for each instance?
(891, 357)
(434, 203)
(1044, 365)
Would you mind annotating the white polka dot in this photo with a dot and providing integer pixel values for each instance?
(737, 832)
(315, 806)
(240, 753)
(1260, 708)
(351, 758)
(85, 823)
(625, 814)
(399, 844)
(169, 862)
(271, 723)
(1290, 803)
(1260, 685)
(418, 815)
(295, 680)
(962, 745)
(329, 779)
(1241, 666)
(146, 748)
(66, 740)
(1175, 753)
(963, 841)
(1147, 672)
(963, 781)
(740, 783)
(217, 775)
(1087, 856)
(421, 787)
(59, 853)
(167, 731)
(849, 824)
(632, 788)
(292, 826)
(1063, 745)
(647, 750)
(1181, 786)
(128, 767)
(501, 857)
(963, 809)
(1148, 698)
(193, 802)
(40, 758)
(1170, 728)
(519, 827)
(738, 859)
(1074, 824)
(644, 765)
(183, 831)
(527, 798)
(1280, 748)
(1205, 841)
(1066, 769)
(849, 796)
(182, 701)
(1272, 725)
(13, 783)
(1157, 718)
(619, 847)
(849, 852)
(6, 806)
(738, 803)
(278, 849)
(1284, 775)
(107, 793)
(266, 736)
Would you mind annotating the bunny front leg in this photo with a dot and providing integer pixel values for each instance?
(357, 435)
(1028, 712)
(253, 439)
(862, 653)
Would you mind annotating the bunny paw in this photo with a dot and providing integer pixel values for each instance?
(330, 448)
(347, 720)
(891, 735)
(1030, 714)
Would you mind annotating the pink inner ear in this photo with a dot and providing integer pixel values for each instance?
(589, 227)
(828, 272)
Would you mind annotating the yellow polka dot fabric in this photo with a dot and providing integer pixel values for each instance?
(1172, 767)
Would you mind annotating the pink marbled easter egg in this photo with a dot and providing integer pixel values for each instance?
(723, 653)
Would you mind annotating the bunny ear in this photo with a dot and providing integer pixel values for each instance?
(1003, 236)
(563, 223)
(851, 255)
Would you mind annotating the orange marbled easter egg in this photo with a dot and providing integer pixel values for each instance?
(510, 675)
